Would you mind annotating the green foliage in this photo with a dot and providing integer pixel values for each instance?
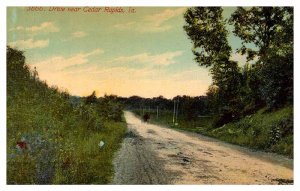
(84, 162)
(269, 131)
(165, 118)
(205, 26)
(16, 67)
(136, 102)
(238, 91)
(91, 98)
(277, 81)
(61, 137)
(110, 107)
(188, 107)
(191, 107)
(266, 27)
(270, 29)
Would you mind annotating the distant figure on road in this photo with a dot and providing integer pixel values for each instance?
(146, 117)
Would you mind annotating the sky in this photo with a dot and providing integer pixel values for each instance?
(144, 52)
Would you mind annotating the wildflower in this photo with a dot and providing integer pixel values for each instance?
(101, 144)
(22, 145)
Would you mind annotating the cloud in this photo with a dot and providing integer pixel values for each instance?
(125, 26)
(140, 66)
(163, 59)
(30, 32)
(159, 18)
(152, 23)
(78, 34)
(45, 27)
(58, 63)
(29, 44)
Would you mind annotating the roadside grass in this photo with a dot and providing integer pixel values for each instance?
(266, 131)
(165, 118)
(85, 162)
(60, 140)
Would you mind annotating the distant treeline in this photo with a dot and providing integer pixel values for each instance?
(186, 106)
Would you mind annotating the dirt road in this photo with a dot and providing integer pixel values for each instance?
(151, 154)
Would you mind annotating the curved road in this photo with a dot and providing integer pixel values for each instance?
(151, 154)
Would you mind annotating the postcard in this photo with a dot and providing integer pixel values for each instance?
(150, 95)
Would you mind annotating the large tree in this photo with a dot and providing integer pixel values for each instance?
(270, 29)
(206, 27)
(267, 41)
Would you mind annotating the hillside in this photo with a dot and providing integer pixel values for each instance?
(51, 140)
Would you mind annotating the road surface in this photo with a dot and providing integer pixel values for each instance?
(151, 154)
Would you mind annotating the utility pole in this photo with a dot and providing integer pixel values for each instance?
(177, 112)
(174, 113)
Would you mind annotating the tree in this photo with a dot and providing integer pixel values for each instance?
(16, 67)
(205, 26)
(265, 27)
(91, 98)
(270, 29)
(267, 41)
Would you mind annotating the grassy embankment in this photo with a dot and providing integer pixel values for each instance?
(267, 131)
(61, 139)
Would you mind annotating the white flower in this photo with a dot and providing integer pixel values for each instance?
(101, 144)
